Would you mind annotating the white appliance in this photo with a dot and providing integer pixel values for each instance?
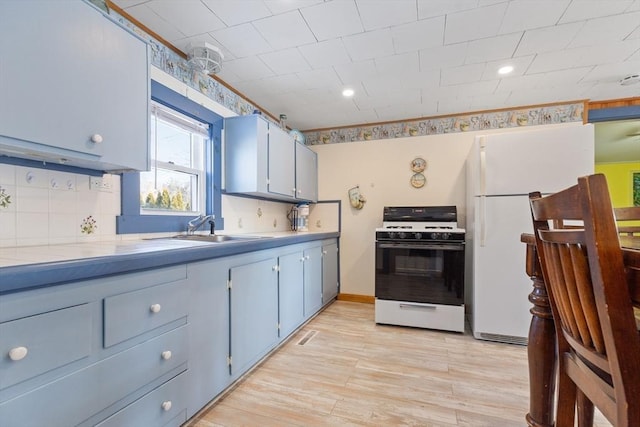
(502, 169)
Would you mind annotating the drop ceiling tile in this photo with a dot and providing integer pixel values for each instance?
(249, 68)
(395, 66)
(488, 102)
(418, 35)
(189, 17)
(527, 15)
(150, 19)
(431, 8)
(611, 91)
(464, 74)
(369, 45)
(242, 40)
(475, 89)
(229, 12)
(400, 112)
(285, 30)
(443, 56)
(453, 105)
(124, 4)
(613, 72)
(492, 48)
(329, 20)
(421, 79)
(588, 9)
(319, 78)
(278, 6)
(601, 30)
(326, 53)
(474, 24)
(376, 14)
(285, 61)
(356, 71)
(548, 39)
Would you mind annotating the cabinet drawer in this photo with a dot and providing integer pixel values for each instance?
(34, 345)
(164, 406)
(133, 313)
(75, 398)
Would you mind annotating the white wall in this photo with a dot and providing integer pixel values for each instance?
(382, 170)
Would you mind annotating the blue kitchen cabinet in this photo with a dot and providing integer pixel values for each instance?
(290, 292)
(253, 312)
(208, 331)
(74, 87)
(259, 158)
(306, 174)
(312, 280)
(330, 282)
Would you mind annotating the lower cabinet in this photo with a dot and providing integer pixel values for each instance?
(254, 312)
(156, 346)
(330, 283)
(312, 280)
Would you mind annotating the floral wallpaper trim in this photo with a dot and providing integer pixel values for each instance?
(516, 117)
(5, 198)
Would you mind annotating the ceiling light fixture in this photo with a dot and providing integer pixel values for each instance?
(505, 70)
(347, 93)
(630, 80)
(205, 57)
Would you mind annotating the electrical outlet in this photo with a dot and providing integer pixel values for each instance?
(97, 183)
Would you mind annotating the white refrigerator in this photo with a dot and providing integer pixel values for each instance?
(502, 169)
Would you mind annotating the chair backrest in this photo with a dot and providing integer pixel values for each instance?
(586, 282)
(628, 220)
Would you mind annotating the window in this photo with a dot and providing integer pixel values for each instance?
(185, 159)
(176, 182)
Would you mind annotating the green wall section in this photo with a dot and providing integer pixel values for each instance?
(619, 179)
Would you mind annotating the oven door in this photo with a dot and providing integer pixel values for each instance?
(420, 272)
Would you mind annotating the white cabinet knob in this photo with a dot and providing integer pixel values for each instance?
(275, 268)
(306, 257)
(155, 308)
(18, 353)
(96, 138)
(166, 355)
(302, 259)
(166, 405)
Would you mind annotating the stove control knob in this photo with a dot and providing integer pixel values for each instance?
(392, 235)
(445, 236)
(417, 236)
(435, 236)
(402, 235)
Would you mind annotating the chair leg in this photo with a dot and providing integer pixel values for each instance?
(566, 400)
(585, 410)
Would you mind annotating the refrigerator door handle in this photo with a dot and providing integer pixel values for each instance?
(482, 214)
(483, 187)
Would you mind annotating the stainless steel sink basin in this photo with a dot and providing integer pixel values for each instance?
(215, 238)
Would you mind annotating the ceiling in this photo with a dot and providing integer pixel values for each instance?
(406, 58)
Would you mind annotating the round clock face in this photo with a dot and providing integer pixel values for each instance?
(418, 180)
(418, 164)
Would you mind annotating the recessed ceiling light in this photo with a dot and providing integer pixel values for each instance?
(347, 93)
(505, 70)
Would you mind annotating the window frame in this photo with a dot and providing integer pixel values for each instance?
(131, 220)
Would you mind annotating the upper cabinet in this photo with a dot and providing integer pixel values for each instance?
(74, 87)
(263, 160)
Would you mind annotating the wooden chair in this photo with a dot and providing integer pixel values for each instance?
(623, 215)
(598, 343)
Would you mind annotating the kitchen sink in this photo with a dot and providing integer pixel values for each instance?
(216, 238)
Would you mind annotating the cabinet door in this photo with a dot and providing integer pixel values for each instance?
(291, 292)
(306, 173)
(254, 312)
(312, 280)
(329, 272)
(73, 74)
(208, 332)
(281, 162)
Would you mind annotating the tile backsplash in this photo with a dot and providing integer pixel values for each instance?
(48, 207)
(42, 207)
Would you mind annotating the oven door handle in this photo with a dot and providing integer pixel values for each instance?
(410, 306)
(422, 246)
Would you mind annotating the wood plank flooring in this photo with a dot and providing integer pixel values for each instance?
(341, 369)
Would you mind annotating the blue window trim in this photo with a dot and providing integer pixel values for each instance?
(131, 221)
(617, 113)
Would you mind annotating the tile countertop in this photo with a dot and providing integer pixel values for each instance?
(29, 267)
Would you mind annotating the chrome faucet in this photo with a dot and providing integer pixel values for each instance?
(198, 221)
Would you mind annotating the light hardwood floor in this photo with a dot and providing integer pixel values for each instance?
(351, 372)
